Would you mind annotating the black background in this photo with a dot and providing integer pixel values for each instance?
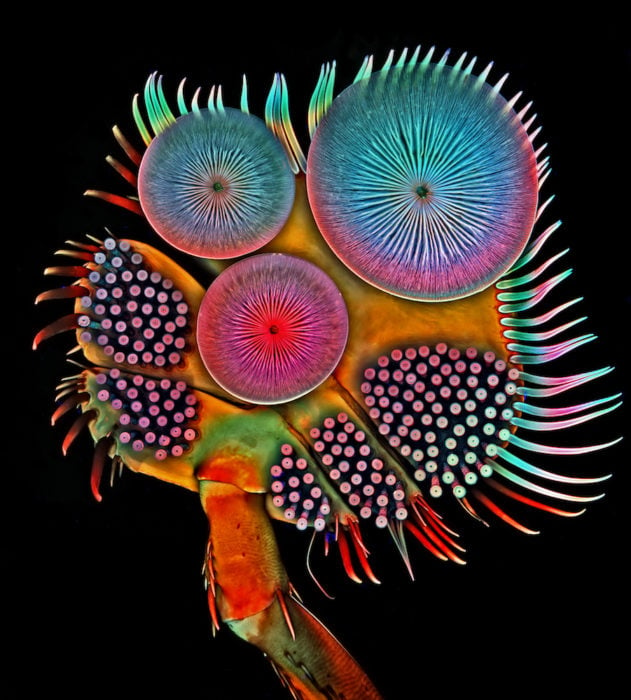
(108, 597)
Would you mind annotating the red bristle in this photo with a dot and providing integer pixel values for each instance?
(496, 510)
(70, 403)
(124, 202)
(71, 292)
(361, 552)
(98, 463)
(76, 428)
(66, 323)
(67, 271)
(529, 501)
(130, 151)
(346, 557)
(423, 540)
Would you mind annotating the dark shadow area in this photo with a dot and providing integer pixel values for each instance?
(108, 598)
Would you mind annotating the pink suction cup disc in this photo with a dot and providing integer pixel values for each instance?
(271, 328)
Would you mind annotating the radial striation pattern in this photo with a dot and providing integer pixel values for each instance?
(423, 181)
(271, 328)
(444, 410)
(216, 183)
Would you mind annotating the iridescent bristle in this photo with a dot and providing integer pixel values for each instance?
(421, 177)
(216, 183)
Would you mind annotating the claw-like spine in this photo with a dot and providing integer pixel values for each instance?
(208, 573)
(71, 292)
(101, 453)
(74, 400)
(397, 533)
(61, 325)
(82, 422)
(283, 605)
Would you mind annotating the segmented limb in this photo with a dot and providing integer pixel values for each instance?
(249, 591)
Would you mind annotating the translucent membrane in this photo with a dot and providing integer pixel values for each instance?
(423, 181)
(271, 328)
(216, 184)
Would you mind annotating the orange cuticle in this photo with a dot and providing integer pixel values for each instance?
(249, 591)
(245, 559)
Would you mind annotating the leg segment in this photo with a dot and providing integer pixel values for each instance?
(250, 592)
